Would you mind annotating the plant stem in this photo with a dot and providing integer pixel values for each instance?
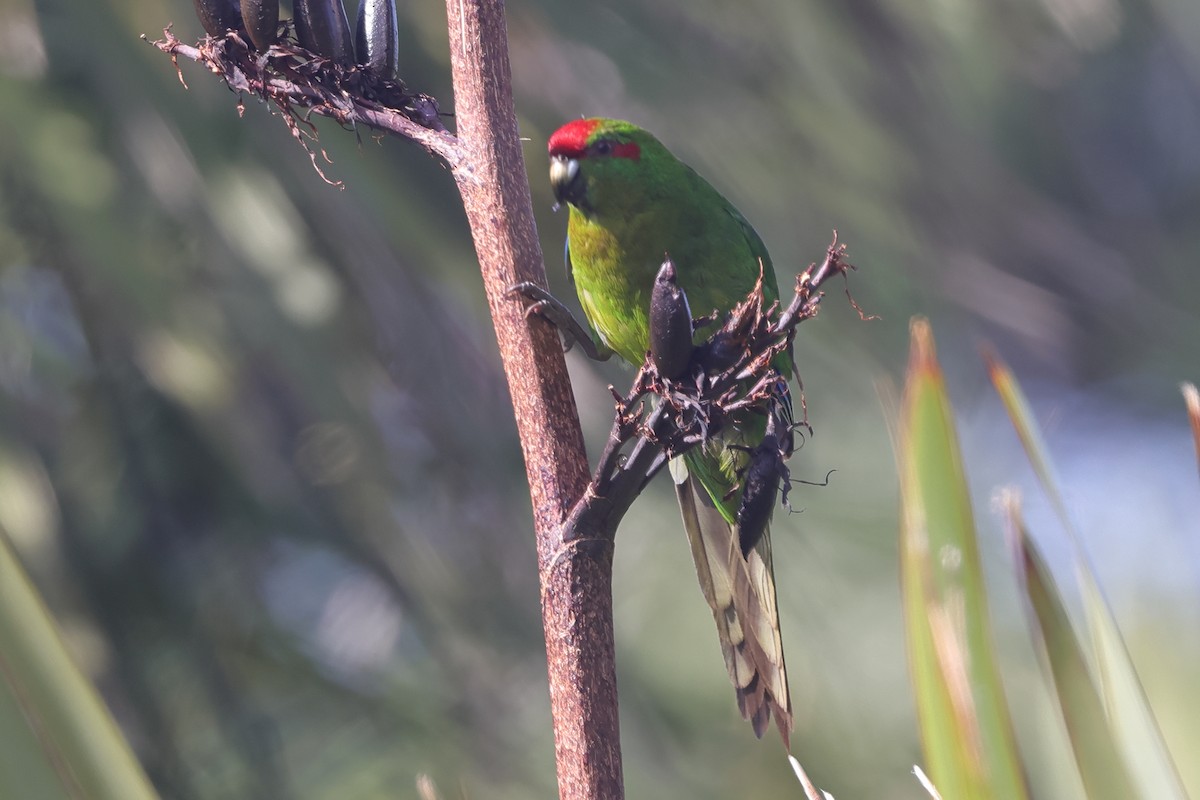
(576, 576)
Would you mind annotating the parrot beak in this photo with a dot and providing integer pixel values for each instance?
(566, 180)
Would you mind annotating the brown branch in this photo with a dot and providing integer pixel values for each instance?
(576, 576)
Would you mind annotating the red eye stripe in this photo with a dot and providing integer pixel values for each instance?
(628, 150)
(571, 139)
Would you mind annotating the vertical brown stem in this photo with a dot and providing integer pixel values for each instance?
(576, 577)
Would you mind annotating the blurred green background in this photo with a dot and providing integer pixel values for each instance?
(256, 451)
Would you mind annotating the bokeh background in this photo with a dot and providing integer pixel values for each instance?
(256, 451)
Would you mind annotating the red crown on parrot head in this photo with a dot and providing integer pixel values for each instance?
(571, 140)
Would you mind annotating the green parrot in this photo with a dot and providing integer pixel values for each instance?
(631, 203)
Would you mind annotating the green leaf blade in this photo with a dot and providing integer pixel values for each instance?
(1101, 765)
(1128, 712)
(965, 727)
(50, 713)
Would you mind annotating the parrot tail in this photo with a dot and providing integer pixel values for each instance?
(741, 593)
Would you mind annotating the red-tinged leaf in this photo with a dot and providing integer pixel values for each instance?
(965, 728)
(1191, 398)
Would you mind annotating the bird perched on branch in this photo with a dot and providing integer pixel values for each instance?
(631, 203)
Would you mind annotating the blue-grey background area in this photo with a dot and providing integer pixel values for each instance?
(256, 451)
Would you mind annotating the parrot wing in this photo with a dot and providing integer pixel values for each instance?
(741, 593)
(759, 251)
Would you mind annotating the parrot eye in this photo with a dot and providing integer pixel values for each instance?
(615, 148)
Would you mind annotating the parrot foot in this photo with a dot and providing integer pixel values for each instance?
(551, 309)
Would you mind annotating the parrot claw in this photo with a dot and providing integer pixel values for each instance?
(551, 309)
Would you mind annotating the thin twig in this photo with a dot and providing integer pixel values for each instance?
(295, 79)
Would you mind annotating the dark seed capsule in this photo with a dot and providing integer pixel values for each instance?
(670, 324)
(322, 28)
(261, 18)
(377, 38)
(760, 487)
(218, 16)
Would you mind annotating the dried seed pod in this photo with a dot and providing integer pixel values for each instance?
(261, 18)
(322, 27)
(670, 324)
(218, 16)
(760, 486)
(377, 38)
